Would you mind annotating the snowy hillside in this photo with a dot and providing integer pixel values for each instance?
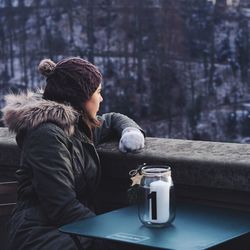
(180, 68)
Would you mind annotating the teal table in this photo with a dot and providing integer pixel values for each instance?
(195, 227)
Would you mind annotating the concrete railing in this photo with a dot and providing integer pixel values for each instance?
(205, 171)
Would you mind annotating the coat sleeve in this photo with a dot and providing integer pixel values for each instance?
(112, 125)
(46, 152)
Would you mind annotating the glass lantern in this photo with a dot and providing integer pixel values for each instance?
(156, 207)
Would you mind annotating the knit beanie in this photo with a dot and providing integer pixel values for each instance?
(71, 80)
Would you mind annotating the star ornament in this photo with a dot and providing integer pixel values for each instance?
(136, 179)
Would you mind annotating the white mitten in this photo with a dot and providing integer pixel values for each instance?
(131, 140)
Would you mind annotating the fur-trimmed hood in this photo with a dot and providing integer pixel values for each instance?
(28, 110)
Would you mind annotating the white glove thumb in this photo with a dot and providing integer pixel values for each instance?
(131, 140)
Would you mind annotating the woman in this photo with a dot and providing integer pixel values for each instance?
(60, 170)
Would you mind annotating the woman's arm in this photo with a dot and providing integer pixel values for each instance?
(47, 152)
(112, 125)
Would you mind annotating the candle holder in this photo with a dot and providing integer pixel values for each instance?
(156, 207)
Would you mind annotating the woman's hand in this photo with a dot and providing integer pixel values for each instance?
(131, 140)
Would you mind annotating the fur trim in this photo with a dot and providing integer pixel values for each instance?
(28, 110)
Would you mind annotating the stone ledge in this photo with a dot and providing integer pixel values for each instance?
(9, 152)
(194, 163)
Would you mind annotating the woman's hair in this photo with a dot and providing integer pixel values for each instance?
(71, 81)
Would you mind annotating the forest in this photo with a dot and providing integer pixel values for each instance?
(179, 68)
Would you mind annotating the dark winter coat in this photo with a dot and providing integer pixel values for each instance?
(59, 171)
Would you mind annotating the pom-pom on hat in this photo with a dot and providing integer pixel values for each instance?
(46, 67)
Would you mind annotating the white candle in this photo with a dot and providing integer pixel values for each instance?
(159, 201)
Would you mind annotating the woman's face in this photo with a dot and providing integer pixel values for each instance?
(92, 105)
